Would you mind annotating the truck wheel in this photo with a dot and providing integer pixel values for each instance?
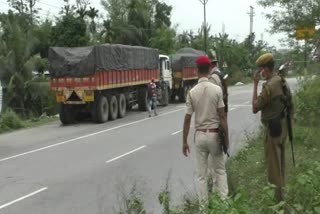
(122, 102)
(93, 111)
(183, 94)
(102, 109)
(143, 99)
(166, 97)
(113, 102)
(173, 96)
(66, 114)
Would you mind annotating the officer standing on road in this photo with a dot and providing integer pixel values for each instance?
(214, 73)
(152, 97)
(271, 103)
(218, 78)
(206, 101)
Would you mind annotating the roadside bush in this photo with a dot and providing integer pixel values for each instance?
(235, 75)
(304, 188)
(10, 120)
(307, 102)
(313, 68)
(40, 98)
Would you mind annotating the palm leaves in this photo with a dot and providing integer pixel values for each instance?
(15, 64)
(92, 13)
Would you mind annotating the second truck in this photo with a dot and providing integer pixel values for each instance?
(107, 80)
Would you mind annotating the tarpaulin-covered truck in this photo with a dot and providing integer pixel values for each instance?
(184, 71)
(106, 80)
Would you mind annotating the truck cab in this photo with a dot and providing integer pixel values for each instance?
(165, 70)
(165, 80)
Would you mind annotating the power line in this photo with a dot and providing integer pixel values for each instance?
(50, 5)
(40, 12)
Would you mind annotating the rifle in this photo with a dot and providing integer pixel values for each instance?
(222, 136)
(290, 134)
(288, 111)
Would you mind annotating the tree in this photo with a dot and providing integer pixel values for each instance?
(92, 13)
(25, 7)
(42, 34)
(82, 12)
(138, 22)
(287, 15)
(67, 9)
(15, 65)
(81, 6)
(164, 40)
(162, 14)
(70, 31)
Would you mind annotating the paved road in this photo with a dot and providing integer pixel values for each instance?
(87, 168)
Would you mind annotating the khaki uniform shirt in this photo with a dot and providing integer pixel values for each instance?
(205, 99)
(270, 99)
(214, 78)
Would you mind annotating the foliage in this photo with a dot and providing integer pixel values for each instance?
(308, 102)
(42, 33)
(70, 31)
(40, 98)
(133, 204)
(164, 40)
(9, 120)
(306, 186)
(15, 64)
(139, 22)
(288, 14)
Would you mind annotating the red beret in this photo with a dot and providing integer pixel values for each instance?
(203, 60)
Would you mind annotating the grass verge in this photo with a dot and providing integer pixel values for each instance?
(10, 121)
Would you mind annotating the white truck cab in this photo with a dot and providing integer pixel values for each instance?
(165, 70)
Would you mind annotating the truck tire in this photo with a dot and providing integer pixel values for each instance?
(166, 97)
(101, 109)
(173, 96)
(122, 102)
(66, 114)
(143, 99)
(113, 104)
(183, 94)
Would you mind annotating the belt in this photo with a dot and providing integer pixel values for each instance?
(216, 130)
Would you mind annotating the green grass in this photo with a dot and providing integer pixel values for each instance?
(10, 121)
(39, 122)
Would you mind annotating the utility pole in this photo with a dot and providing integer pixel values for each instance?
(204, 2)
(223, 28)
(251, 14)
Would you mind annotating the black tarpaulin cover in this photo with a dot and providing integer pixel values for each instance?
(185, 57)
(83, 61)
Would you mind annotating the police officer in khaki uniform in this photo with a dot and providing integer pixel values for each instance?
(272, 106)
(214, 77)
(206, 101)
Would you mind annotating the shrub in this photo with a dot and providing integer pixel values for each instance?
(307, 102)
(10, 120)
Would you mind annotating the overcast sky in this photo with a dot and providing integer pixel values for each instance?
(188, 14)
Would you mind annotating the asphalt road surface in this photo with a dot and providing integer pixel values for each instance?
(91, 168)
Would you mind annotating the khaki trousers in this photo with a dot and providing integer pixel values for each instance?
(275, 159)
(207, 143)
